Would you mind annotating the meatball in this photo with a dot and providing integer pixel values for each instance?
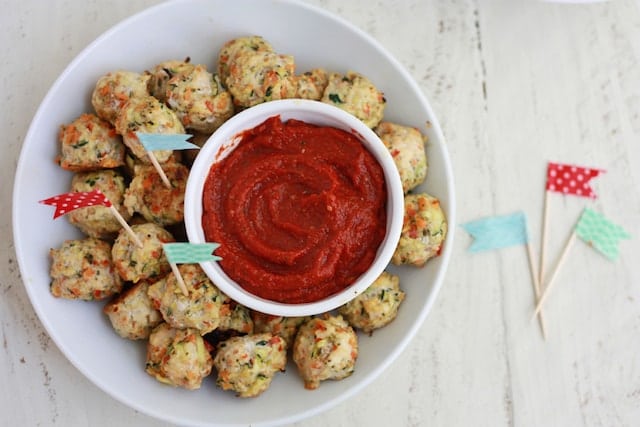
(90, 143)
(99, 221)
(285, 327)
(325, 348)
(114, 89)
(235, 317)
(178, 357)
(131, 313)
(82, 269)
(135, 263)
(145, 114)
(406, 145)
(247, 364)
(199, 310)
(236, 47)
(311, 85)
(148, 195)
(357, 95)
(423, 231)
(377, 306)
(260, 76)
(162, 73)
(199, 100)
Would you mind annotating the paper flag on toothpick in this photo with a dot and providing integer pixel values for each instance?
(600, 233)
(160, 141)
(190, 253)
(68, 202)
(570, 179)
(498, 232)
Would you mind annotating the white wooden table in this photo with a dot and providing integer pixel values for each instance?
(515, 84)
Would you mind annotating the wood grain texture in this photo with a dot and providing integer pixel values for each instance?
(514, 84)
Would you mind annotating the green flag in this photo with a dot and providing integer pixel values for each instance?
(600, 233)
(190, 253)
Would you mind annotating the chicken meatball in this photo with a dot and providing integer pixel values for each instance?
(99, 221)
(148, 195)
(114, 89)
(178, 357)
(406, 145)
(135, 263)
(325, 349)
(311, 85)
(247, 364)
(199, 100)
(423, 231)
(377, 306)
(235, 317)
(131, 313)
(145, 114)
(90, 143)
(199, 310)
(236, 47)
(357, 95)
(260, 76)
(162, 73)
(83, 269)
(285, 327)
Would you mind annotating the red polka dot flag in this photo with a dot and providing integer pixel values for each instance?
(68, 202)
(569, 179)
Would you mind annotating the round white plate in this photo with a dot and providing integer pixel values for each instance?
(198, 28)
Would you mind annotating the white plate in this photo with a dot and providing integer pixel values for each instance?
(198, 28)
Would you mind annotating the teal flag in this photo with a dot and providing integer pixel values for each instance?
(165, 141)
(498, 232)
(600, 233)
(190, 253)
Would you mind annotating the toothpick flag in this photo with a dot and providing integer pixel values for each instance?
(569, 179)
(497, 232)
(503, 231)
(160, 141)
(68, 202)
(599, 233)
(188, 253)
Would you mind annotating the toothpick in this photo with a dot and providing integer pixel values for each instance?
(536, 288)
(569, 243)
(156, 165)
(543, 241)
(124, 224)
(181, 285)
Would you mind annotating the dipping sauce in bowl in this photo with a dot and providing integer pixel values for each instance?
(299, 210)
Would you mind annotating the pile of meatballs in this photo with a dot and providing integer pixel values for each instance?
(190, 335)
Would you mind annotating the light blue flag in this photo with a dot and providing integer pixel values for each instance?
(498, 232)
(165, 141)
(190, 253)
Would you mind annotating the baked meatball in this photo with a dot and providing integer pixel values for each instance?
(406, 145)
(99, 221)
(199, 100)
(135, 263)
(377, 306)
(247, 364)
(285, 327)
(423, 231)
(82, 269)
(90, 143)
(148, 195)
(236, 47)
(325, 349)
(145, 114)
(260, 76)
(178, 357)
(311, 85)
(357, 95)
(162, 73)
(234, 317)
(199, 310)
(114, 89)
(131, 313)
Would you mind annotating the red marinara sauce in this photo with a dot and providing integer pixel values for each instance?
(299, 210)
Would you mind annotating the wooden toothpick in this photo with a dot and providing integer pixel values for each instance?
(156, 165)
